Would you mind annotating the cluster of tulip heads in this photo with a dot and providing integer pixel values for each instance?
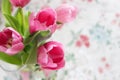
(23, 41)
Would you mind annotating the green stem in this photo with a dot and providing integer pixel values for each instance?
(32, 58)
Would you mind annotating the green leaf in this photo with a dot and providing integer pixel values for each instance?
(6, 7)
(19, 18)
(24, 57)
(38, 36)
(23, 20)
(32, 57)
(44, 33)
(35, 39)
(10, 59)
(12, 22)
(26, 23)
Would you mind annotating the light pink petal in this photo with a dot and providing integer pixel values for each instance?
(15, 34)
(52, 28)
(49, 45)
(39, 26)
(35, 25)
(42, 56)
(50, 64)
(15, 49)
(3, 49)
(60, 65)
(66, 13)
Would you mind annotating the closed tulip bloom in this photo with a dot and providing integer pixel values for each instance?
(19, 3)
(10, 41)
(43, 20)
(66, 13)
(51, 56)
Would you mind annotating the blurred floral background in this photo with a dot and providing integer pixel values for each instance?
(91, 41)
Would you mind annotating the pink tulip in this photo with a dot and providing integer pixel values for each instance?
(19, 3)
(44, 20)
(51, 56)
(10, 41)
(66, 13)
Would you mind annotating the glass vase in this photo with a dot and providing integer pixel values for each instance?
(24, 73)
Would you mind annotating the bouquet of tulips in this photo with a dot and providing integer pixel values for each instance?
(24, 40)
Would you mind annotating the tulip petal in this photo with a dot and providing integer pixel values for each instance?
(56, 54)
(3, 49)
(44, 20)
(42, 56)
(15, 49)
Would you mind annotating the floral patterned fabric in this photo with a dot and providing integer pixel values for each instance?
(91, 41)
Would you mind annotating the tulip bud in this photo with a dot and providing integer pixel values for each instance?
(19, 3)
(66, 13)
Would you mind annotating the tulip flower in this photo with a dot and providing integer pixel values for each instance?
(44, 20)
(10, 41)
(66, 13)
(19, 3)
(51, 56)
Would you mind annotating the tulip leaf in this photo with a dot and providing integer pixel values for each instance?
(26, 23)
(38, 36)
(32, 57)
(35, 39)
(10, 59)
(12, 22)
(6, 7)
(24, 57)
(19, 18)
(44, 33)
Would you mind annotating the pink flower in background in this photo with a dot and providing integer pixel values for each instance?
(83, 40)
(44, 20)
(66, 13)
(19, 3)
(51, 56)
(10, 41)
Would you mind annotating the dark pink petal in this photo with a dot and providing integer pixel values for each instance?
(44, 20)
(56, 54)
(3, 38)
(50, 20)
(61, 64)
(43, 16)
(8, 33)
(47, 16)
